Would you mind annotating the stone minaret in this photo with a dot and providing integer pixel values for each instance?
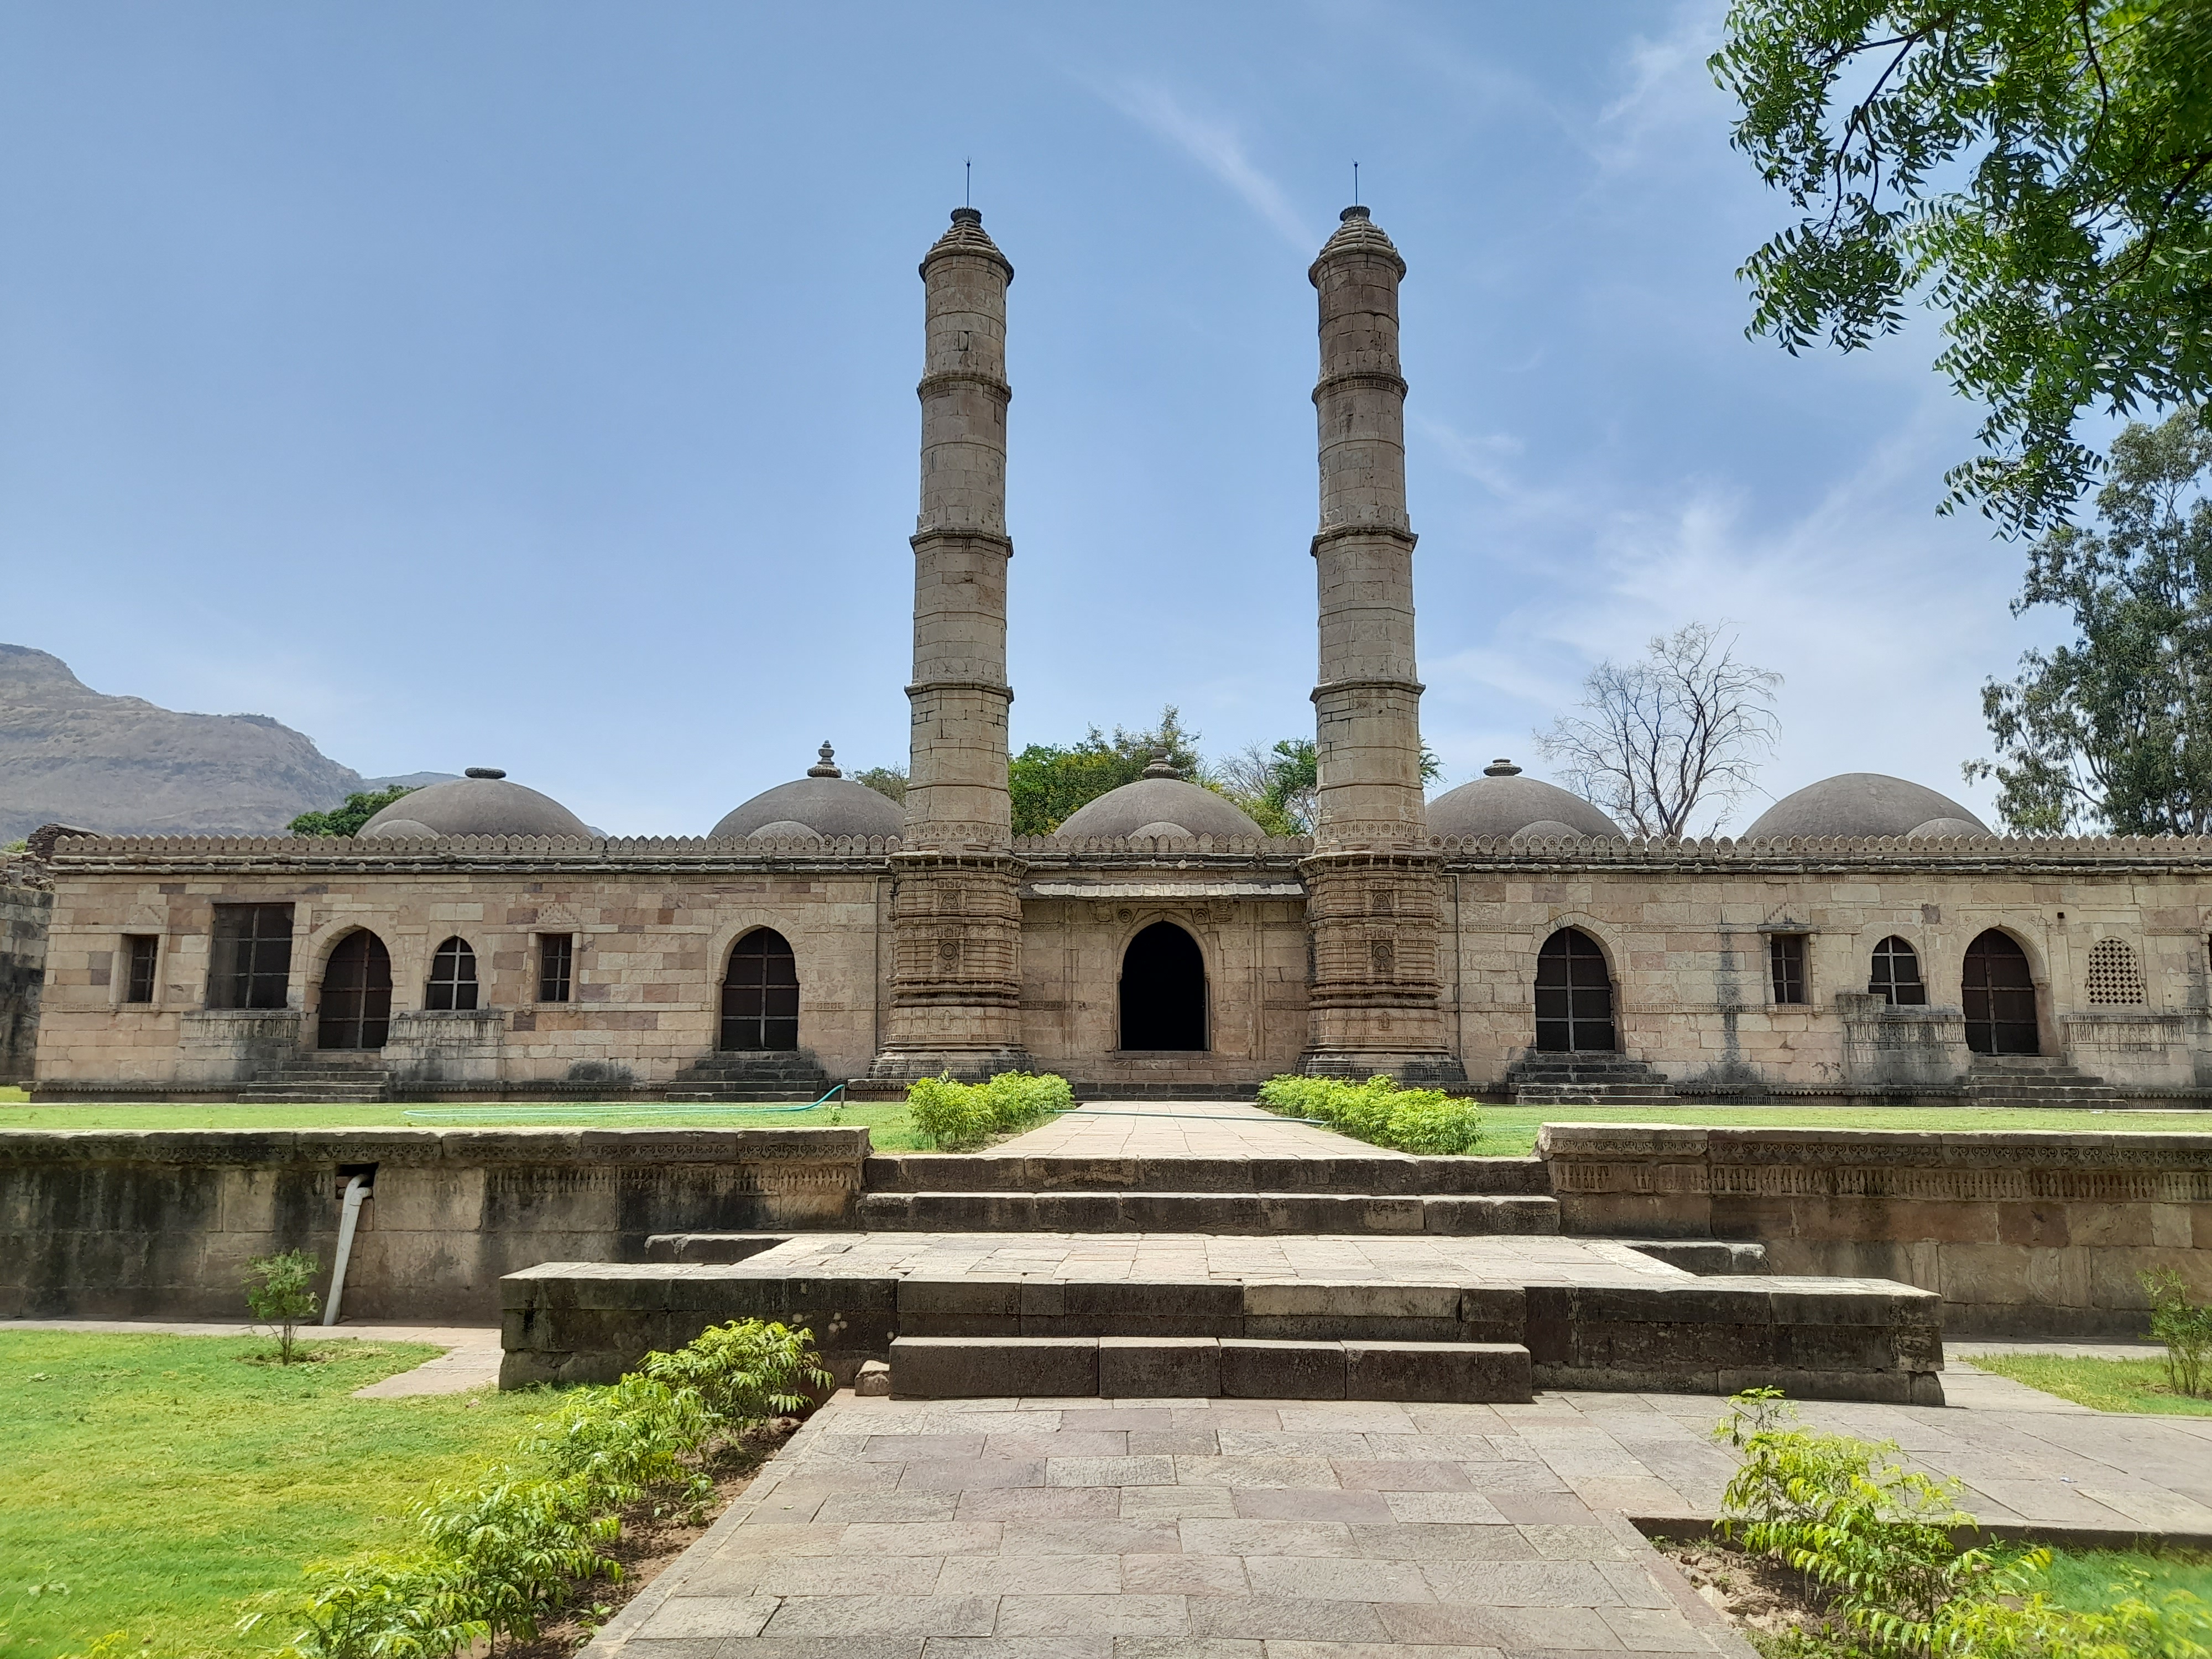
(955, 986)
(1374, 888)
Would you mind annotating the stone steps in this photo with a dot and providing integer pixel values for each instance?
(984, 1172)
(1205, 1367)
(1588, 1094)
(1212, 1212)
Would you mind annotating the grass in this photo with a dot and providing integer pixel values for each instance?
(2083, 1579)
(156, 1482)
(1506, 1130)
(2108, 1385)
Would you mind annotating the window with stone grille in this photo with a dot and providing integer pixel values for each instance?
(556, 954)
(452, 987)
(1785, 953)
(1896, 975)
(2115, 975)
(142, 951)
(251, 964)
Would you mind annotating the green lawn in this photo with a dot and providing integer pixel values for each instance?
(2109, 1385)
(154, 1483)
(1507, 1130)
(2083, 1580)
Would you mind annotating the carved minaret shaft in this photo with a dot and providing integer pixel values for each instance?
(956, 988)
(1374, 888)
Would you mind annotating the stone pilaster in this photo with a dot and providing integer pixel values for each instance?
(955, 987)
(1374, 888)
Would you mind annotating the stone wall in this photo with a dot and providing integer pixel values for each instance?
(24, 903)
(106, 1225)
(2022, 1233)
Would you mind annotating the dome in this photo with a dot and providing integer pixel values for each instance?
(1160, 803)
(1945, 830)
(824, 802)
(1545, 830)
(1863, 805)
(1504, 804)
(1162, 832)
(483, 803)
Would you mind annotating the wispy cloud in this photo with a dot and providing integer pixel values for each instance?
(1215, 145)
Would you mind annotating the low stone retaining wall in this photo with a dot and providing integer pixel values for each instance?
(102, 1224)
(2022, 1233)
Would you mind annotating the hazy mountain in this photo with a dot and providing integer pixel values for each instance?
(71, 755)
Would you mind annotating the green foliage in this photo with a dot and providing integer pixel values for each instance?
(958, 1115)
(2114, 732)
(348, 820)
(2140, 1386)
(1424, 1120)
(1879, 1540)
(884, 781)
(1277, 787)
(497, 1558)
(1049, 782)
(280, 1290)
(2185, 1327)
(2041, 170)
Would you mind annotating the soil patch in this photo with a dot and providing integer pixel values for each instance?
(1759, 1593)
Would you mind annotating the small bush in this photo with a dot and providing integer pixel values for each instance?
(2183, 1325)
(280, 1291)
(498, 1559)
(1878, 1537)
(957, 1115)
(1424, 1120)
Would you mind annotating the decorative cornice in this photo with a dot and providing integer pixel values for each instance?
(922, 687)
(945, 379)
(997, 538)
(1396, 532)
(1412, 688)
(1359, 377)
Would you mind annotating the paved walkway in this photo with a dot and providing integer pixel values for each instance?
(1181, 1129)
(1248, 1530)
(471, 1359)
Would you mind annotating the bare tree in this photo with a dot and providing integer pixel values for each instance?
(1684, 728)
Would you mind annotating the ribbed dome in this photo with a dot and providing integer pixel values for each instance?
(1502, 803)
(1861, 805)
(1159, 803)
(482, 804)
(825, 801)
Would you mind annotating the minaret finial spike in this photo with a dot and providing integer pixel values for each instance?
(1355, 184)
(967, 187)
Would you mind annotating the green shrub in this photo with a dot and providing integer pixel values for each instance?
(496, 1560)
(2183, 1325)
(280, 1290)
(1879, 1539)
(956, 1116)
(1378, 1111)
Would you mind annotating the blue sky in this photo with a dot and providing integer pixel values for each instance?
(532, 384)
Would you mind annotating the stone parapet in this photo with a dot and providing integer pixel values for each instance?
(2022, 1233)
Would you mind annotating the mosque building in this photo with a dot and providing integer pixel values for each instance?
(1866, 939)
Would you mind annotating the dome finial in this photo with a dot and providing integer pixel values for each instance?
(483, 772)
(827, 766)
(1161, 766)
(1501, 768)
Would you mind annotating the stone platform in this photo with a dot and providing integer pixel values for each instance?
(1591, 1313)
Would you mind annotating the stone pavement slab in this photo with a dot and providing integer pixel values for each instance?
(470, 1360)
(1181, 1128)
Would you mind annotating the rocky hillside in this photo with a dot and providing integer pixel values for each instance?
(70, 754)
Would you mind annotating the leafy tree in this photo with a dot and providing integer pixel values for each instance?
(1684, 728)
(884, 781)
(280, 1291)
(2041, 170)
(346, 820)
(1050, 782)
(2114, 732)
(1278, 787)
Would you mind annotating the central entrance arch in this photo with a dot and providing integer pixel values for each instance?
(1998, 992)
(1164, 990)
(760, 995)
(1574, 996)
(356, 1003)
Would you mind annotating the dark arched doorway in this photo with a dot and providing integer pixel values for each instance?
(356, 1002)
(1998, 993)
(1162, 990)
(1574, 996)
(760, 994)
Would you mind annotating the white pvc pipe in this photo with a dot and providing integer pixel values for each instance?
(356, 1190)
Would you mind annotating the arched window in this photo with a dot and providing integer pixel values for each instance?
(2115, 977)
(1999, 994)
(1164, 990)
(452, 977)
(1896, 976)
(357, 1005)
(760, 994)
(1574, 996)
